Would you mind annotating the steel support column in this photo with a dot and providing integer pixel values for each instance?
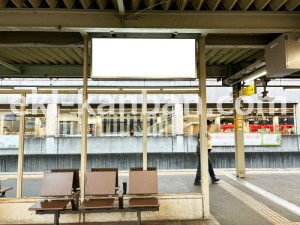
(276, 124)
(21, 146)
(238, 134)
(203, 127)
(144, 114)
(84, 120)
(297, 118)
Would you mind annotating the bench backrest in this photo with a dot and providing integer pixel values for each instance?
(100, 183)
(108, 169)
(143, 182)
(57, 184)
(76, 181)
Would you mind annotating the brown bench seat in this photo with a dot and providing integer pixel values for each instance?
(100, 193)
(143, 202)
(141, 183)
(55, 185)
(103, 203)
(49, 205)
(100, 183)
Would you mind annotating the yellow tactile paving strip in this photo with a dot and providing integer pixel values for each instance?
(258, 207)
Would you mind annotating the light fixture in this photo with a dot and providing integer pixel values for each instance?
(103, 89)
(58, 89)
(292, 88)
(181, 89)
(255, 75)
(128, 89)
(25, 88)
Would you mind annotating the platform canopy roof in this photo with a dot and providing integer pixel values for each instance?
(44, 38)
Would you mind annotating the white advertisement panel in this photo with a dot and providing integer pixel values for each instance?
(131, 58)
(250, 139)
(9, 141)
(271, 139)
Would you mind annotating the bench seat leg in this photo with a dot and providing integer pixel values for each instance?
(56, 218)
(139, 216)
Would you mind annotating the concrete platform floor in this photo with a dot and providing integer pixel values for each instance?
(264, 197)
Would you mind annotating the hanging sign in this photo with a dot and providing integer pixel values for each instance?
(247, 91)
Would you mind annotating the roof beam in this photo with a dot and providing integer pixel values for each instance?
(15, 55)
(228, 4)
(75, 71)
(245, 4)
(197, 4)
(43, 57)
(261, 4)
(18, 3)
(8, 56)
(102, 4)
(44, 71)
(276, 4)
(246, 54)
(292, 4)
(3, 3)
(11, 67)
(188, 22)
(235, 56)
(181, 4)
(213, 4)
(39, 39)
(52, 3)
(4, 57)
(54, 55)
(211, 53)
(149, 4)
(238, 41)
(69, 3)
(166, 4)
(23, 55)
(85, 3)
(64, 55)
(30, 55)
(121, 7)
(218, 56)
(35, 3)
(226, 56)
(74, 55)
(135, 4)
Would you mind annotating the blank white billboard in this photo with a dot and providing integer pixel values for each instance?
(143, 58)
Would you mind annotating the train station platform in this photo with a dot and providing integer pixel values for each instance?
(264, 197)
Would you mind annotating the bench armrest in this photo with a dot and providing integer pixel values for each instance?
(4, 190)
(74, 200)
